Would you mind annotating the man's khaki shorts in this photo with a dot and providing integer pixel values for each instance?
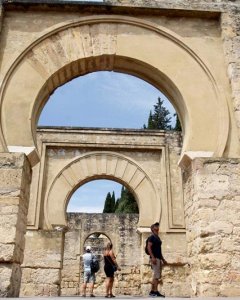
(157, 269)
(89, 277)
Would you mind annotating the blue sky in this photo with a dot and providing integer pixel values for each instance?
(100, 99)
(91, 196)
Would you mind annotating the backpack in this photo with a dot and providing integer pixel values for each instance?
(146, 248)
(94, 264)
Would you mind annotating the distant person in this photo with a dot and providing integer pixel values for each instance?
(154, 248)
(110, 266)
(89, 276)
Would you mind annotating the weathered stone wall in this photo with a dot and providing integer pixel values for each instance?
(121, 230)
(15, 174)
(175, 281)
(136, 275)
(212, 210)
(41, 268)
(53, 260)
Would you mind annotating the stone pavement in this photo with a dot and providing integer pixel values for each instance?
(125, 298)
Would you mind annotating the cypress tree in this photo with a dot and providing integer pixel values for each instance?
(113, 202)
(178, 126)
(108, 204)
(127, 202)
(116, 205)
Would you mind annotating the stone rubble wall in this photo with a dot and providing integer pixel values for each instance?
(212, 210)
(15, 174)
(135, 276)
(121, 231)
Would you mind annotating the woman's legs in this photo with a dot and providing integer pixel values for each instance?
(108, 286)
(111, 285)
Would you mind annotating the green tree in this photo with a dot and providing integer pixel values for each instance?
(178, 126)
(130, 203)
(127, 203)
(113, 202)
(160, 118)
(108, 207)
(150, 122)
(117, 204)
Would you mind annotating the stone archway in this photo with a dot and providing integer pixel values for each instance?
(101, 165)
(53, 59)
(196, 87)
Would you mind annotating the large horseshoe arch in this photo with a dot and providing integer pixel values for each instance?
(101, 43)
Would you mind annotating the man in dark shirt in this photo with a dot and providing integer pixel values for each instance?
(154, 246)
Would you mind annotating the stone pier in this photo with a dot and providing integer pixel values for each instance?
(15, 174)
(212, 210)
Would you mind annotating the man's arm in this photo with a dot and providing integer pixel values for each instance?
(163, 259)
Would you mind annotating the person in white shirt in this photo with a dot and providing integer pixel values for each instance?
(89, 276)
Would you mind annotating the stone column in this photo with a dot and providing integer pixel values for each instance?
(212, 212)
(15, 174)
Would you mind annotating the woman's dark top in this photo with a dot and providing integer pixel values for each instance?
(108, 266)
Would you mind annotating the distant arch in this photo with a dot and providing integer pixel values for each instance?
(108, 165)
(87, 242)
